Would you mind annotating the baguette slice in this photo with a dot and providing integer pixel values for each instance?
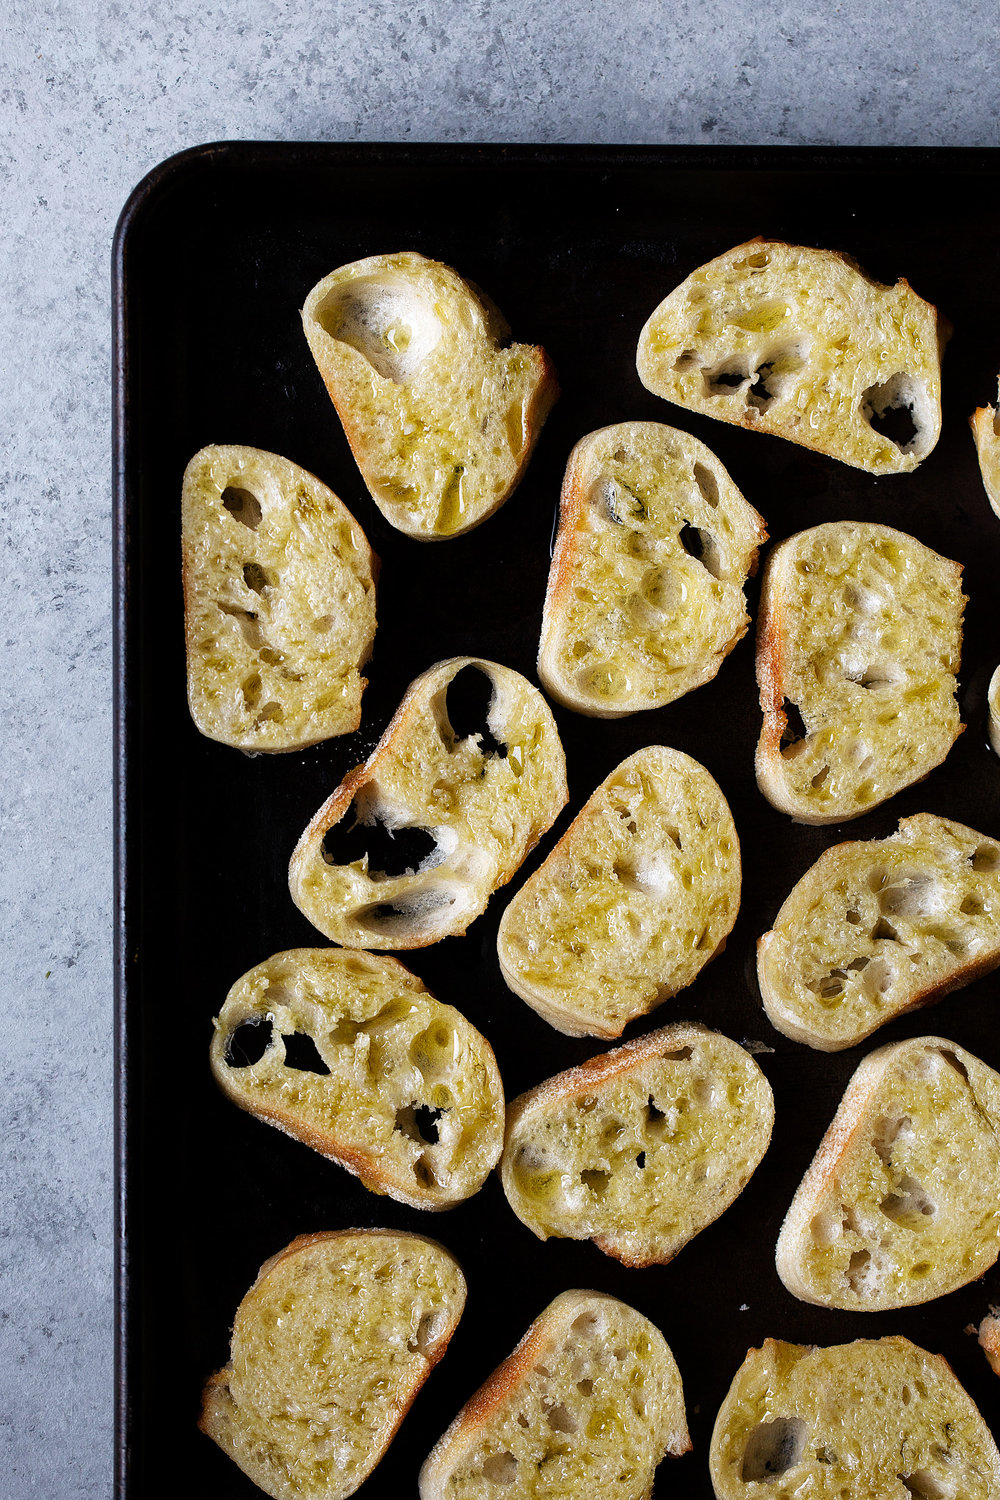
(879, 1419)
(330, 1346)
(645, 595)
(878, 928)
(993, 715)
(859, 637)
(802, 344)
(639, 894)
(588, 1404)
(902, 1201)
(350, 1053)
(985, 423)
(440, 409)
(989, 1339)
(640, 1148)
(465, 780)
(279, 602)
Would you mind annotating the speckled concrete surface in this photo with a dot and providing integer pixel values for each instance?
(91, 100)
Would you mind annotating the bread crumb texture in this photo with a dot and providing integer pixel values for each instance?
(640, 892)
(639, 1148)
(859, 639)
(879, 1419)
(440, 409)
(467, 777)
(588, 1404)
(989, 1339)
(879, 927)
(279, 602)
(330, 1346)
(901, 1203)
(801, 343)
(645, 595)
(352, 1055)
(986, 431)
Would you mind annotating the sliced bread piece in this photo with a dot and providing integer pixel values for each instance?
(588, 1404)
(639, 894)
(645, 595)
(639, 1148)
(879, 927)
(902, 1201)
(802, 344)
(859, 637)
(441, 410)
(411, 846)
(985, 423)
(350, 1053)
(279, 602)
(993, 710)
(879, 1419)
(330, 1346)
(989, 1339)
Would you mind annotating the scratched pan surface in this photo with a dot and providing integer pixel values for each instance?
(215, 254)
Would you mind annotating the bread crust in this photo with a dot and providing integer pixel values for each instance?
(985, 424)
(989, 1341)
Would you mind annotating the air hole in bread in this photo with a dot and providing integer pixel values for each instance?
(892, 408)
(419, 1122)
(985, 859)
(914, 898)
(909, 1205)
(467, 702)
(655, 1118)
(686, 359)
(392, 326)
(399, 918)
(725, 378)
(248, 623)
(243, 506)
(859, 1271)
(922, 1485)
(854, 917)
(661, 590)
(825, 1455)
(702, 546)
(640, 1160)
(251, 688)
(596, 1180)
(429, 1330)
(255, 577)
(795, 731)
(708, 484)
(818, 780)
(888, 1131)
(885, 930)
(248, 1043)
(391, 851)
(560, 1419)
(773, 1447)
(830, 986)
(501, 1468)
(956, 1062)
(874, 676)
(972, 907)
(585, 1387)
(301, 1054)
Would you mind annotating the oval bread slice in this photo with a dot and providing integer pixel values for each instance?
(902, 1201)
(588, 1404)
(440, 409)
(638, 895)
(876, 928)
(639, 1148)
(355, 1057)
(279, 602)
(645, 594)
(985, 422)
(879, 1419)
(330, 1346)
(802, 344)
(859, 637)
(464, 807)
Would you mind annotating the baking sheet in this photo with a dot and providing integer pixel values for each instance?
(214, 255)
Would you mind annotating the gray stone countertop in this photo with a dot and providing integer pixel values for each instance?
(93, 97)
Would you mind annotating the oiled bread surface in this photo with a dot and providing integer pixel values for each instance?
(901, 1203)
(800, 343)
(640, 1148)
(985, 423)
(588, 1404)
(879, 1419)
(363, 1064)
(638, 895)
(329, 1347)
(878, 927)
(440, 409)
(279, 602)
(859, 638)
(478, 800)
(645, 594)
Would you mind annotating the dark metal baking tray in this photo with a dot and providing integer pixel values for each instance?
(214, 255)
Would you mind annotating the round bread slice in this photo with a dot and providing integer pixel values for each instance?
(985, 423)
(802, 344)
(411, 846)
(350, 1053)
(645, 596)
(639, 894)
(876, 928)
(441, 410)
(989, 1339)
(641, 1148)
(329, 1348)
(588, 1404)
(279, 602)
(902, 1201)
(879, 1419)
(859, 637)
